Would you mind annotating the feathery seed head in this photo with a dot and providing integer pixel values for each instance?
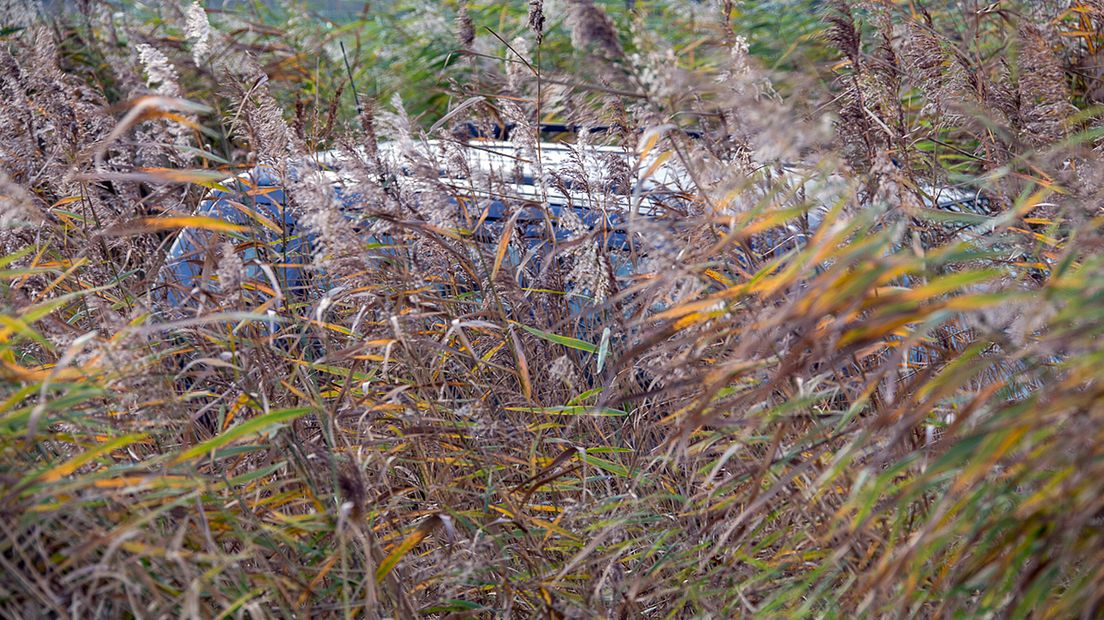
(160, 73)
(198, 32)
(465, 30)
(536, 19)
(592, 29)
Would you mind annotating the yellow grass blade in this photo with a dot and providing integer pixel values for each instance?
(146, 225)
(68, 467)
(418, 535)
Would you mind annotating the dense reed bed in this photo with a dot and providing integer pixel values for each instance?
(847, 366)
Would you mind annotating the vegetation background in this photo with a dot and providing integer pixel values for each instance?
(896, 413)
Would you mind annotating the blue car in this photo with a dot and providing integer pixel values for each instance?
(574, 191)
